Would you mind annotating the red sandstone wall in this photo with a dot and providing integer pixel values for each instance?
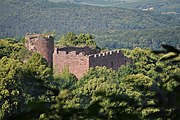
(111, 59)
(78, 64)
(42, 44)
(86, 50)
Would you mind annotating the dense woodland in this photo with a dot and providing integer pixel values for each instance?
(110, 26)
(158, 5)
(147, 89)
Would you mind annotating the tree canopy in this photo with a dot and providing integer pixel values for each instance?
(80, 40)
(146, 89)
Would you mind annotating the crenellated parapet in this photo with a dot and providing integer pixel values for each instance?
(85, 50)
(111, 59)
(106, 54)
(60, 52)
(76, 60)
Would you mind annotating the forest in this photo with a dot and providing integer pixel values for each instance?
(109, 25)
(144, 90)
(158, 5)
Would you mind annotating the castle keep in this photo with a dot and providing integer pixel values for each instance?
(77, 59)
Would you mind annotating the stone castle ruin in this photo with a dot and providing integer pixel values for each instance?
(78, 60)
(43, 44)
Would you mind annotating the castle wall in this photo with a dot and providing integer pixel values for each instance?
(111, 59)
(86, 50)
(77, 63)
(77, 59)
(43, 44)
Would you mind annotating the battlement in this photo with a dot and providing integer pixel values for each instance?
(76, 60)
(61, 51)
(79, 60)
(75, 50)
(73, 53)
(104, 54)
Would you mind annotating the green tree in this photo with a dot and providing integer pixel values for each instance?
(21, 86)
(9, 46)
(168, 97)
(65, 80)
(37, 68)
(71, 39)
(11, 78)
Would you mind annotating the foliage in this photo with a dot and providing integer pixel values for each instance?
(168, 95)
(146, 89)
(71, 39)
(37, 67)
(8, 46)
(149, 38)
(158, 5)
(22, 82)
(66, 80)
(10, 89)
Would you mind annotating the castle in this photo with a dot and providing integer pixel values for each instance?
(77, 59)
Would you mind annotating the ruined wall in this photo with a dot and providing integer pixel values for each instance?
(43, 44)
(86, 50)
(77, 59)
(77, 63)
(110, 59)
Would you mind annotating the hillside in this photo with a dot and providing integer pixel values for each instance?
(20, 17)
(162, 6)
(149, 38)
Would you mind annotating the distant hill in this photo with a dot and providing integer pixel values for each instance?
(162, 6)
(19, 17)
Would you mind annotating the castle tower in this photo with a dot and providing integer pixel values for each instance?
(42, 44)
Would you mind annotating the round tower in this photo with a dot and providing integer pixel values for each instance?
(42, 44)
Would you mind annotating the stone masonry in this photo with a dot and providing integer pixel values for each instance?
(77, 59)
(79, 62)
(41, 43)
